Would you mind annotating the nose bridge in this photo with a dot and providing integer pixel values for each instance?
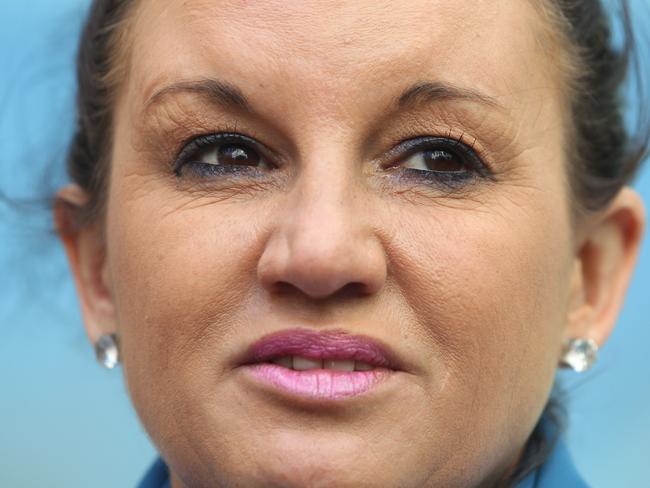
(324, 207)
(323, 240)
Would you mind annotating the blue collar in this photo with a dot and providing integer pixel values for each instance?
(157, 476)
(557, 472)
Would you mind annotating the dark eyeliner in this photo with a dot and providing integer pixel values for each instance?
(188, 155)
(467, 155)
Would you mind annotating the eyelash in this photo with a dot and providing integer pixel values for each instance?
(191, 152)
(466, 153)
(402, 152)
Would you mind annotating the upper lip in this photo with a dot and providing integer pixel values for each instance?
(321, 344)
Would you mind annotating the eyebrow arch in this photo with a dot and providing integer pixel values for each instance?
(226, 94)
(219, 92)
(433, 91)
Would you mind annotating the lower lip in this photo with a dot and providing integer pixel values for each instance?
(318, 384)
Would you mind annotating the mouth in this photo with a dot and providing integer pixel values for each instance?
(319, 365)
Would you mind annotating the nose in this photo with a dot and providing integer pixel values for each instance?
(323, 242)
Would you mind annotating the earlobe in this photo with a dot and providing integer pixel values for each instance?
(85, 249)
(604, 266)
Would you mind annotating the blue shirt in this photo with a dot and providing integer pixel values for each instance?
(557, 472)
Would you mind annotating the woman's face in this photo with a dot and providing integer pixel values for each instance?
(385, 170)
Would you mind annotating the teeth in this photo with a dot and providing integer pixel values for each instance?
(339, 364)
(286, 361)
(360, 366)
(299, 363)
(302, 364)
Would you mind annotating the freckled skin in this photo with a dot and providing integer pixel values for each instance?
(472, 284)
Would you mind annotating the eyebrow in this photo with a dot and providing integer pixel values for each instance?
(435, 91)
(229, 95)
(219, 92)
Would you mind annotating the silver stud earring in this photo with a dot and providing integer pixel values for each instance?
(579, 354)
(106, 351)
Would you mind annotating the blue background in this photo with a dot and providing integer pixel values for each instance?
(65, 422)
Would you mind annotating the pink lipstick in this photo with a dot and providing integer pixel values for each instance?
(319, 365)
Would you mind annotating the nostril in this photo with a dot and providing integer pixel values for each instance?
(349, 290)
(353, 289)
(283, 288)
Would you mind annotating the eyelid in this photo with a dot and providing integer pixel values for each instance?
(214, 139)
(411, 146)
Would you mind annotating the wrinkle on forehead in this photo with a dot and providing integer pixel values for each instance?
(322, 61)
(339, 39)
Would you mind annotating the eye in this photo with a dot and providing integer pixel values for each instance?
(436, 160)
(214, 154)
(439, 159)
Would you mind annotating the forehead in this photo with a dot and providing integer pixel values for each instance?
(331, 52)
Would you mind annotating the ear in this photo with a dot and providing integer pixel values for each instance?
(605, 260)
(85, 248)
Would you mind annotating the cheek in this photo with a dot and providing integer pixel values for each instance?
(490, 291)
(176, 272)
(185, 281)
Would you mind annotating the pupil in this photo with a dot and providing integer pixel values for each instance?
(233, 154)
(443, 161)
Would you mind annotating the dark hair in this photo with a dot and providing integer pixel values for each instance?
(603, 158)
(97, 81)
